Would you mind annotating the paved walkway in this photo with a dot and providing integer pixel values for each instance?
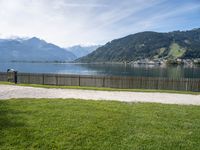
(12, 91)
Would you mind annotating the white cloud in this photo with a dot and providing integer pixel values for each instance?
(69, 22)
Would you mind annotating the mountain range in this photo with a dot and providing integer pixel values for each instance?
(144, 45)
(148, 45)
(37, 50)
(32, 49)
(80, 51)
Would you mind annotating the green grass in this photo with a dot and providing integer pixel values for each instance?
(176, 51)
(102, 88)
(97, 125)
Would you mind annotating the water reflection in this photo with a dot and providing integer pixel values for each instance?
(105, 69)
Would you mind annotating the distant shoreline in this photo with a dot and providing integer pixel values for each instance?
(133, 63)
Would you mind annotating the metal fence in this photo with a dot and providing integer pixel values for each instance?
(183, 84)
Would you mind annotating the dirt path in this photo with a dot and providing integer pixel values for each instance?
(11, 91)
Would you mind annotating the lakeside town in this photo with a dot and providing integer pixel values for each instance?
(178, 61)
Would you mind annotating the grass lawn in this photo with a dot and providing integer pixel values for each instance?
(176, 51)
(97, 125)
(102, 88)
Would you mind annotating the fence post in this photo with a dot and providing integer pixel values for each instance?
(103, 81)
(29, 78)
(187, 85)
(15, 77)
(56, 79)
(43, 79)
(79, 81)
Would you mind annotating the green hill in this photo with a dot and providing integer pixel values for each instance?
(172, 45)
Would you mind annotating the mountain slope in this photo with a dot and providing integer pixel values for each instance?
(177, 44)
(32, 49)
(80, 51)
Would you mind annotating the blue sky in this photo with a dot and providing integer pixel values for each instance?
(88, 22)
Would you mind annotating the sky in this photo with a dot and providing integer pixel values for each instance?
(91, 22)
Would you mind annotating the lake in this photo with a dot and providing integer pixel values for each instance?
(104, 69)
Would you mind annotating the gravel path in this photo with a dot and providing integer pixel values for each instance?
(12, 91)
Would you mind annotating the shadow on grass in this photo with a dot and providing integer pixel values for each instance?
(6, 122)
(12, 123)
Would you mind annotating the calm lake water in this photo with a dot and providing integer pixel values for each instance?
(104, 69)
